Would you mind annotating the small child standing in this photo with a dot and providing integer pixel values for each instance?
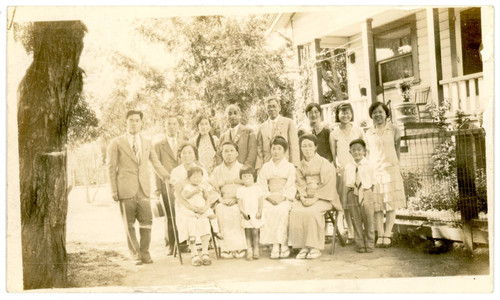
(250, 202)
(199, 214)
(359, 184)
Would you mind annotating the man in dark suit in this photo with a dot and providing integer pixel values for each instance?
(241, 135)
(166, 150)
(130, 185)
(276, 125)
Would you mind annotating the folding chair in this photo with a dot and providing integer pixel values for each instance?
(332, 216)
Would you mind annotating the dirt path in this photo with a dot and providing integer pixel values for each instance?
(97, 227)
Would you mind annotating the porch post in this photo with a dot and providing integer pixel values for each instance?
(369, 58)
(487, 35)
(434, 41)
(317, 78)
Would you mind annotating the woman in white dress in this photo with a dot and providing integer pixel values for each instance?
(383, 141)
(188, 156)
(277, 181)
(344, 131)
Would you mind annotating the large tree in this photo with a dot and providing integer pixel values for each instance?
(48, 96)
(222, 60)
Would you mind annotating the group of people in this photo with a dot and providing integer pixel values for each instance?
(268, 187)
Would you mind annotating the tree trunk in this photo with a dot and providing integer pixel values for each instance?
(47, 95)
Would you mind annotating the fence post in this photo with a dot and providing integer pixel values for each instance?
(468, 200)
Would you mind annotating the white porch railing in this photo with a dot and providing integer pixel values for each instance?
(464, 92)
(359, 106)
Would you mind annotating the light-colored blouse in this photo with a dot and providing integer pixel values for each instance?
(343, 156)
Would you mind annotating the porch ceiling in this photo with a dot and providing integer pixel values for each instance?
(337, 21)
(380, 16)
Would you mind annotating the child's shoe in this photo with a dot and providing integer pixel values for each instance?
(205, 259)
(249, 255)
(275, 252)
(369, 249)
(256, 253)
(195, 261)
(361, 249)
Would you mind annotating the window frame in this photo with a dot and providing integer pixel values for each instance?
(410, 22)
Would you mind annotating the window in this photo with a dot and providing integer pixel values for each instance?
(396, 53)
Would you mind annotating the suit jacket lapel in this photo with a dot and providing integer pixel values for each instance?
(268, 129)
(280, 126)
(241, 133)
(144, 149)
(169, 150)
(125, 145)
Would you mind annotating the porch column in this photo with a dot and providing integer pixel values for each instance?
(317, 78)
(369, 58)
(433, 36)
(487, 35)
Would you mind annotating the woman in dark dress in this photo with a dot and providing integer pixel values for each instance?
(322, 132)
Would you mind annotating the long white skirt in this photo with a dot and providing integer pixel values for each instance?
(230, 227)
(275, 229)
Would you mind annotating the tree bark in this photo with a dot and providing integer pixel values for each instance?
(46, 97)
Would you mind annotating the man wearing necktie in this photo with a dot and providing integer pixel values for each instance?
(276, 125)
(127, 158)
(241, 135)
(166, 150)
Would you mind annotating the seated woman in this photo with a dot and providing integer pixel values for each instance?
(317, 194)
(179, 179)
(277, 181)
(226, 180)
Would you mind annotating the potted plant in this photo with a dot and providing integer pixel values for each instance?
(406, 111)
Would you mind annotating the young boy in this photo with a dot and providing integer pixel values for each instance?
(359, 184)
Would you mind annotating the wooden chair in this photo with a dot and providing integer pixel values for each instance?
(421, 99)
(331, 216)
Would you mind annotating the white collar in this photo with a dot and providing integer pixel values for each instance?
(363, 161)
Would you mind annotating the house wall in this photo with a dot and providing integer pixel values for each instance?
(423, 61)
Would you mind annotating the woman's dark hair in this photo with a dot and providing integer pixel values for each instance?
(200, 118)
(357, 141)
(377, 104)
(184, 145)
(310, 106)
(194, 170)
(343, 106)
(248, 170)
(229, 143)
(279, 140)
(198, 121)
(310, 137)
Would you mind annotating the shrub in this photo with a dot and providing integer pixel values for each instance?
(442, 195)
